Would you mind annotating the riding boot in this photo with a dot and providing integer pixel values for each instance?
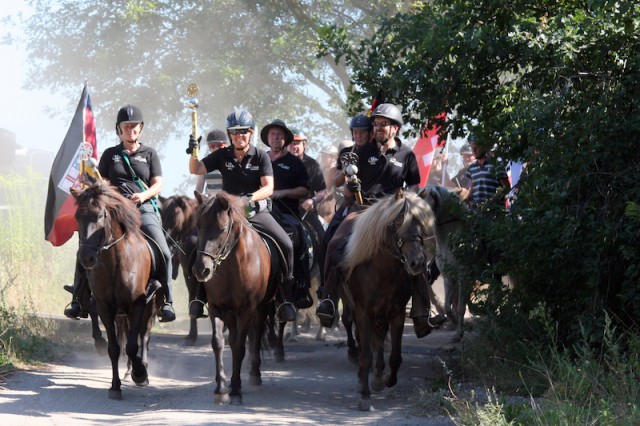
(420, 309)
(302, 297)
(326, 311)
(167, 314)
(433, 272)
(74, 309)
(286, 312)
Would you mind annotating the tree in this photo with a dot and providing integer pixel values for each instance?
(552, 83)
(260, 55)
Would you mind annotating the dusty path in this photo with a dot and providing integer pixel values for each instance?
(315, 385)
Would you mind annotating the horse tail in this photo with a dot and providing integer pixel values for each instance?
(122, 332)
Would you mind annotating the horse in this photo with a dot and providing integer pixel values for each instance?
(179, 220)
(241, 274)
(449, 222)
(386, 250)
(120, 271)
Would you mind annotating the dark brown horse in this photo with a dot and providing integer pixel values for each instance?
(240, 274)
(119, 264)
(385, 251)
(179, 215)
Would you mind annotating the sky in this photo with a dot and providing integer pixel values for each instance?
(24, 112)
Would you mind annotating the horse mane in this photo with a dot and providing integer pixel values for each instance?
(443, 202)
(371, 229)
(227, 201)
(120, 209)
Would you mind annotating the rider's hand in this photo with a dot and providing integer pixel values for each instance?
(193, 144)
(307, 204)
(353, 185)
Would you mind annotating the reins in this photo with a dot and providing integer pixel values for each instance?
(105, 247)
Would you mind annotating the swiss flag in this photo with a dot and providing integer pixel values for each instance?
(424, 150)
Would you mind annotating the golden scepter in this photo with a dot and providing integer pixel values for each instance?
(192, 103)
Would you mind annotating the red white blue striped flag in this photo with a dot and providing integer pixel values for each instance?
(79, 145)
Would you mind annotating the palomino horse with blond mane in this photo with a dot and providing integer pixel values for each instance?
(385, 252)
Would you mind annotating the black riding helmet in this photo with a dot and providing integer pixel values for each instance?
(288, 136)
(389, 111)
(128, 114)
(360, 122)
(217, 135)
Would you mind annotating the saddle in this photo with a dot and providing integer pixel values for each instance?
(158, 268)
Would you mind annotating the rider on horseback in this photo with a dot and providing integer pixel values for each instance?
(291, 184)
(135, 170)
(384, 165)
(247, 171)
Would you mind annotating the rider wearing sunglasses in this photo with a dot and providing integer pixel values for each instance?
(384, 165)
(247, 172)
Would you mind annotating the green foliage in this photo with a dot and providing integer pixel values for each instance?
(553, 84)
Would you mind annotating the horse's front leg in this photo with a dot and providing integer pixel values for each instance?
(98, 340)
(108, 320)
(255, 343)
(139, 370)
(353, 351)
(366, 359)
(237, 340)
(395, 357)
(221, 394)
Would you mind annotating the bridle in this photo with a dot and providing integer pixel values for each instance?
(102, 246)
(400, 242)
(224, 249)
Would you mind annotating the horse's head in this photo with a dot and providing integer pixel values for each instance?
(399, 225)
(178, 214)
(103, 217)
(219, 219)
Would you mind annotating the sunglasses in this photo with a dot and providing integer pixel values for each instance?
(381, 124)
(238, 131)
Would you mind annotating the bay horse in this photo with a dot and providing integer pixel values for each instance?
(119, 263)
(386, 250)
(179, 220)
(241, 275)
(449, 213)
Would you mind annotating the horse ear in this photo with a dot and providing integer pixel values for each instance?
(199, 197)
(162, 200)
(75, 192)
(423, 193)
(399, 194)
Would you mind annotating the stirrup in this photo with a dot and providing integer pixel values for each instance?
(69, 307)
(326, 319)
(196, 309)
(284, 306)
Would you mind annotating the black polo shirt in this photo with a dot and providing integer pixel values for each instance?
(289, 172)
(145, 162)
(316, 178)
(384, 174)
(239, 178)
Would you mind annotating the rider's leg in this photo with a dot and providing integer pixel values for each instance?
(302, 298)
(265, 222)
(80, 287)
(421, 307)
(152, 229)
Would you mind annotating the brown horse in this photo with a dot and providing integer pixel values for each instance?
(385, 251)
(179, 220)
(240, 274)
(119, 264)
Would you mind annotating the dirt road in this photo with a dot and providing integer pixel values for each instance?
(315, 385)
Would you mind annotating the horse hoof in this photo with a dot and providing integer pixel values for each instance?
(365, 405)
(278, 357)
(390, 381)
(377, 384)
(140, 379)
(236, 400)
(189, 341)
(221, 398)
(115, 394)
(255, 380)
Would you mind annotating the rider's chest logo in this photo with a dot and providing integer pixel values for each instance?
(229, 165)
(395, 162)
(373, 161)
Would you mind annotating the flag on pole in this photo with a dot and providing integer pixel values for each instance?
(376, 101)
(78, 146)
(425, 148)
